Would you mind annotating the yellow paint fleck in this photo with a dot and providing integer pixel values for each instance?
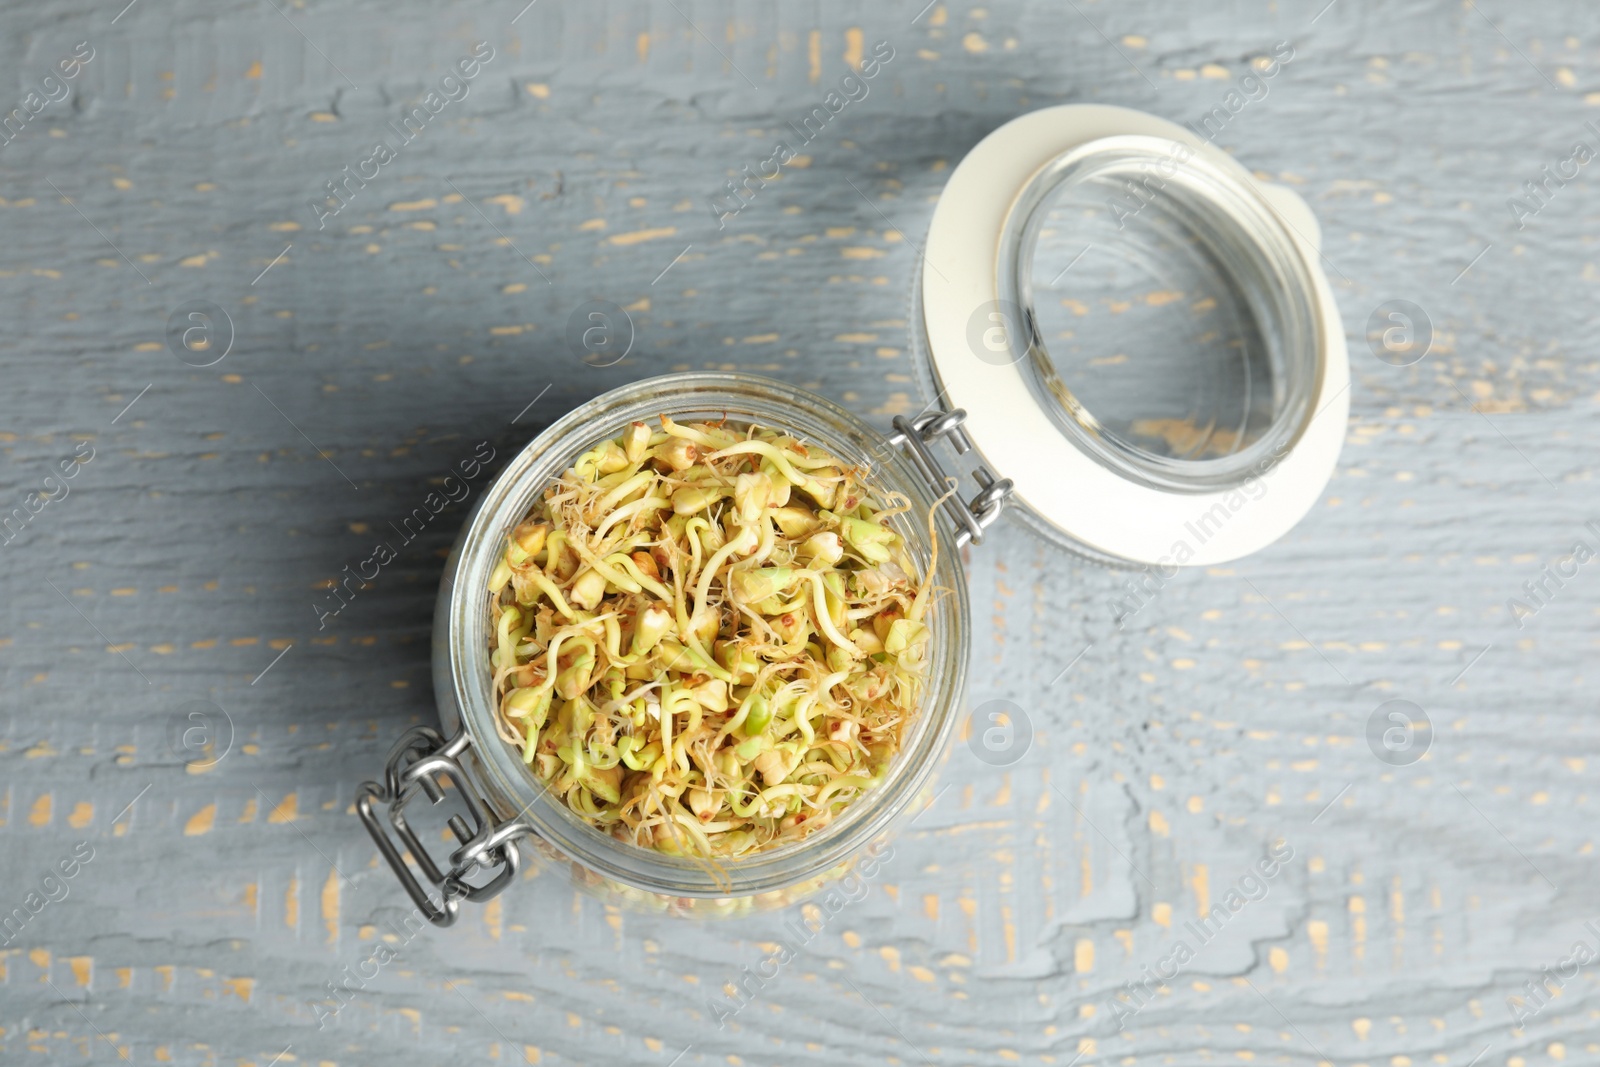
(330, 906)
(974, 42)
(287, 809)
(1161, 914)
(40, 958)
(1277, 959)
(512, 203)
(539, 90)
(254, 71)
(1159, 825)
(505, 331)
(530, 1054)
(323, 116)
(1212, 70)
(39, 814)
(859, 252)
(1201, 882)
(82, 969)
(1317, 931)
(291, 904)
(814, 56)
(239, 987)
(1196, 805)
(201, 821)
(492, 918)
(198, 260)
(414, 205)
(638, 236)
(1362, 1027)
(1083, 956)
(514, 287)
(852, 47)
(641, 45)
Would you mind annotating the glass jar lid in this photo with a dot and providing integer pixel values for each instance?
(1140, 334)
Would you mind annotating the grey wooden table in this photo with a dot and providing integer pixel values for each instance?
(182, 734)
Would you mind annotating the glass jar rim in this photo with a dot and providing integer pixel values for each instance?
(962, 328)
(462, 680)
(1232, 213)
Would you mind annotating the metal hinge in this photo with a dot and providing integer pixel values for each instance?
(416, 764)
(971, 517)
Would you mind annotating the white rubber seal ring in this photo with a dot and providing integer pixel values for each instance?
(1091, 504)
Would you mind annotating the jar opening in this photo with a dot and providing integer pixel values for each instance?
(1167, 319)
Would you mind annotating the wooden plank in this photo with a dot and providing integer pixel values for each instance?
(169, 599)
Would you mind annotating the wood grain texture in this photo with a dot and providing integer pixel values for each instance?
(1229, 713)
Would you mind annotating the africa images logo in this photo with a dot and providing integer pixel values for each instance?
(452, 89)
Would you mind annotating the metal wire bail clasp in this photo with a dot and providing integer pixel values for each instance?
(972, 517)
(423, 761)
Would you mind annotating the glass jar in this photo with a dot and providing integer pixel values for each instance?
(506, 802)
(1179, 400)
